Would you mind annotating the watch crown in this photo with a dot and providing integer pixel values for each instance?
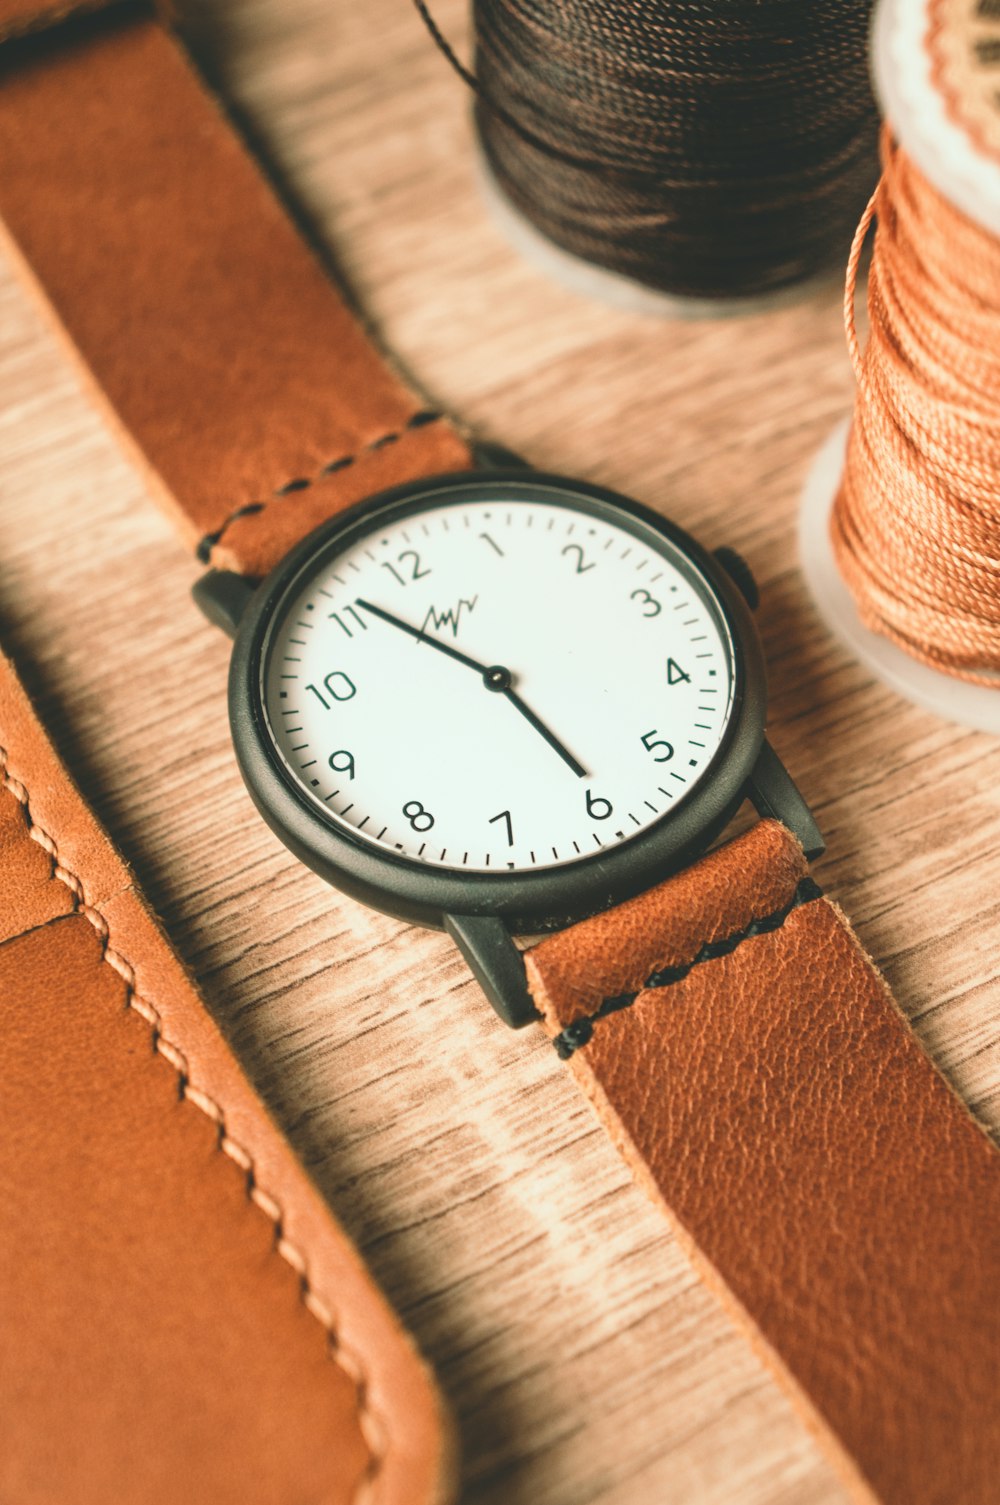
(741, 574)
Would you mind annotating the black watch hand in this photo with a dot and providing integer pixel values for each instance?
(494, 676)
(418, 633)
(499, 679)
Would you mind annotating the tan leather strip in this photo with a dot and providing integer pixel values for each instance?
(828, 1182)
(32, 894)
(182, 1314)
(247, 390)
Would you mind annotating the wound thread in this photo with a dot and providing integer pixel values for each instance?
(916, 522)
(701, 149)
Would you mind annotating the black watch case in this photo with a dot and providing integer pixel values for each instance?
(482, 911)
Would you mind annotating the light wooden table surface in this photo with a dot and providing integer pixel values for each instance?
(583, 1359)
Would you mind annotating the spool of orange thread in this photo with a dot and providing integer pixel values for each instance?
(900, 523)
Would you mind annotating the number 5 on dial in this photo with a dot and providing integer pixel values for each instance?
(653, 740)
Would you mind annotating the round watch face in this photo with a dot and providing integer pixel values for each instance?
(494, 677)
(499, 683)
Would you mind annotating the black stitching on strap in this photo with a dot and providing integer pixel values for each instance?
(302, 483)
(581, 1030)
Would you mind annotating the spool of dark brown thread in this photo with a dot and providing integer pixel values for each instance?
(710, 150)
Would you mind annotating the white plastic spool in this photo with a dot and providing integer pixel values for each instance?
(937, 89)
(614, 289)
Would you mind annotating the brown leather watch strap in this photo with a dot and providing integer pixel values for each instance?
(183, 1319)
(247, 389)
(755, 1071)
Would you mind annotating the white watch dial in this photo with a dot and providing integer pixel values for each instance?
(499, 685)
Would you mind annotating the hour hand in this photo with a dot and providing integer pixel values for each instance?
(418, 633)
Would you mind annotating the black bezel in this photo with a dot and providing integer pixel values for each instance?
(528, 902)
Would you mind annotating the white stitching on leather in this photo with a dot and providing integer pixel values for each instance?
(370, 1426)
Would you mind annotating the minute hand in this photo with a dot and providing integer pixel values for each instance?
(543, 730)
(494, 676)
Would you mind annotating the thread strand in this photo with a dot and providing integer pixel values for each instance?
(916, 524)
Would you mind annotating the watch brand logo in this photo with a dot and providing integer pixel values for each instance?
(450, 618)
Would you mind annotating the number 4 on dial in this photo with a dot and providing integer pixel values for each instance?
(675, 674)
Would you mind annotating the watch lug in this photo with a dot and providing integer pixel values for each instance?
(740, 574)
(496, 964)
(223, 596)
(495, 457)
(774, 793)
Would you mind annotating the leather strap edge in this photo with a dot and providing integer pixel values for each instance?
(252, 398)
(859, 1489)
(399, 1405)
(804, 1099)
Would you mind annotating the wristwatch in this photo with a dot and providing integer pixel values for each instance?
(499, 702)
(507, 704)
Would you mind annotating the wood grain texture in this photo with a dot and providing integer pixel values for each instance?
(584, 1360)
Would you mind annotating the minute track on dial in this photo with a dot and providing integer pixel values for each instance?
(574, 644)
(496, 678)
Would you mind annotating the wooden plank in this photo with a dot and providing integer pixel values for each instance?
(583, 1359)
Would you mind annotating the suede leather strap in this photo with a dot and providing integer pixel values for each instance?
(247, 390)
(183, 1319)
(753, 1068)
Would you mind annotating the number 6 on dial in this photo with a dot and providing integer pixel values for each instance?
(598, 809)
